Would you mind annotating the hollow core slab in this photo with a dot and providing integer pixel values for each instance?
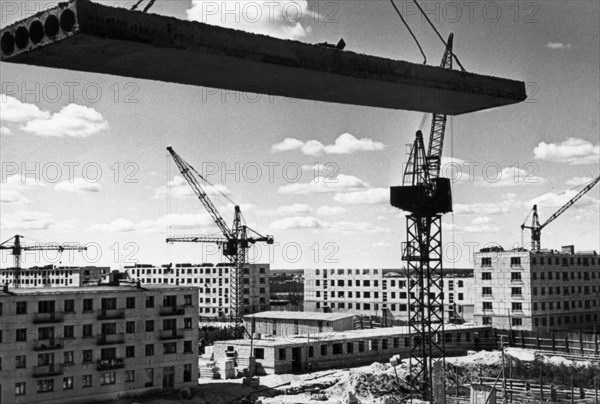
(85, 36)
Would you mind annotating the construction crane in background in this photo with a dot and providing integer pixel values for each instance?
(426, 197)
(536, 227)
(17, 248)
(235, 242)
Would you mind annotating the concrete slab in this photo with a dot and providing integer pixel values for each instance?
(85, 36)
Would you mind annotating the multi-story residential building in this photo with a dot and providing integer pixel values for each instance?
(373, 291)
(212, 282)
(76, 344)
(52, 276)
(527, 290)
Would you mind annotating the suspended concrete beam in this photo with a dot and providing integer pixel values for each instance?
(89, 37)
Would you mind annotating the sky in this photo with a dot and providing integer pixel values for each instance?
(84, 156)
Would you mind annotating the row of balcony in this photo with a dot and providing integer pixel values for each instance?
(103, 314)
(58, 369)
(50, 344)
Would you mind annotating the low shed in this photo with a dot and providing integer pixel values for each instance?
(290, 323)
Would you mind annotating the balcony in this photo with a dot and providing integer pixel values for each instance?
(520, 297)
(111, 314)
(110, 339)
(171, 334)
(53, 317)
(517, 282)
(488, 312)
(48, 370)
(487, 296)
(172, 310)
(109, 364)
(48, 344)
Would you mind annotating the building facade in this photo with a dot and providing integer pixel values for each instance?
(76, 345)
(373, 291)
(213, 283)
(53, 276)
(547, 290)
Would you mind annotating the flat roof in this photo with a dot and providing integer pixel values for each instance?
(343, 336)
(92, 289)
(298, 315)
(89, 37)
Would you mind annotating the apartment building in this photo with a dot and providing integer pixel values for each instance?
(213, 283)
(85, 344)
(52, 276)
(373, 291)
(549, 290)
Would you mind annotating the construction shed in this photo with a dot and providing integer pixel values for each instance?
(292, 323)
(280, 355)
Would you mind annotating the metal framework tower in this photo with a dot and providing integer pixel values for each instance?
(425, 196)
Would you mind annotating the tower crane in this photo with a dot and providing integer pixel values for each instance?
(17, 248)
(536, 227)
(426, 197)
(235, 241)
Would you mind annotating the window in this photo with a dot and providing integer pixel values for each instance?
(187, 300)
(88, 304)
(21, 335)
(170, 348)
(384, 344)
(361, 346)
(108, 378)
(338, 349)
(44, 386)
(486, 261)
(515, 260)
(517, 322)
(129, 376)
(86, 381)
(323, 350)
(187, 372)
(149, 302)
(516, 291)
(517, 307)
(87, 330)
(188, 347)
(67, 383)
(374, 345)
(187, 323)
(311, 351)
(130, 302)
(515, 276)
(149, 377)
(149, 325)
(130, 327)
(149, 349)
(282, 354)
(21, 307)
(87, 355)
(259, 353)
(20, 361)
(68, 357)
(69, 306)
(69, 332)
(487, 306)
(20, 389)
(130, 351)
(486, 276)
(486, 291)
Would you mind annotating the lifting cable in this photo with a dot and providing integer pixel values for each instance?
(136, 5)
(409, 30)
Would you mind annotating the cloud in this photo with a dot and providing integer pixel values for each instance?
(309, 222)
(344, 144)
(558, 45)
(11, 190)
(78, 185)
(369, 196)
(283, 19)
(554, 200)
(33, 220)
(4, 131)
(572, 151)
(330, 211)
(500, 208)
(576, 181)
(297, 208)
(342, 183)
(71, 121)
(481, 220)
(165, 223)
(509, 176)
(179, 188)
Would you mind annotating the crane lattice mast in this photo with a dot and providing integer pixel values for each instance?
(536, 227)
(17, 248)
(235, 241)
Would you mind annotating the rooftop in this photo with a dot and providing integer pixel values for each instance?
(299, 315)
(90, 289)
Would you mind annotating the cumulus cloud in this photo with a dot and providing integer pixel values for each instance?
(179, 188)
(510, 176)
(78, 185)
(558, 45)
(330, 211)
(165, 223)
(500, 208)
(576, 181)
(369, 196)
(33, 220)
(572, 151)
(309, 222)
(297, 208)
(11, 197)
(4, 131)
(12, 189)
(71, 121)
(342, 183)
(344, 144)
(283, 19)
